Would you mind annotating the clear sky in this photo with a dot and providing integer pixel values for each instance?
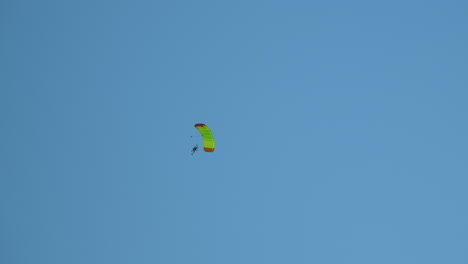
(341, 131)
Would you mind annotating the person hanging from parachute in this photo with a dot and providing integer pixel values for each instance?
(209, 143)
(194, 149)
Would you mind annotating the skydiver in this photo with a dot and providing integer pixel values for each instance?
(194, 149)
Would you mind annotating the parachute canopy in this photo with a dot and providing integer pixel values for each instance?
(209, 143)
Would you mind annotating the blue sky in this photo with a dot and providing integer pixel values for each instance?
(341, 131)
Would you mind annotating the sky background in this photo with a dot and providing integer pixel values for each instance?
(341, 131)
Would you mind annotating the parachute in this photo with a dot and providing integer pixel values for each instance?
(208, 138)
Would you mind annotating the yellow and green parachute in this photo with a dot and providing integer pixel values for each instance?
(209, 143)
